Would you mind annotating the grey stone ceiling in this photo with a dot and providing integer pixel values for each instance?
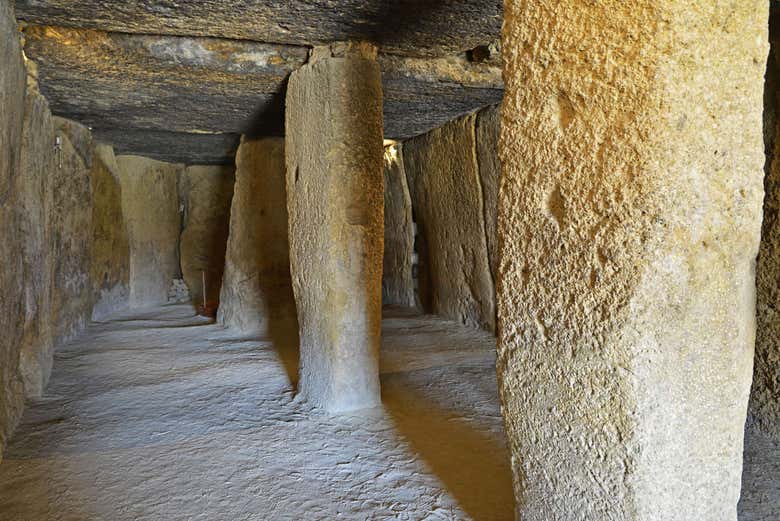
(181, 80)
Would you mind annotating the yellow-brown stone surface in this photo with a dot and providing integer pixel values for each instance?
(397, 281)
(206, 192)
(12, 95)
(150, 204)
(335, 203)
(110, 245)
(39, 165)
(629, 217)
(257, 295)
(446, 191)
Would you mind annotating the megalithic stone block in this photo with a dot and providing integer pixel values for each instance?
(629, 220)
(335, 198)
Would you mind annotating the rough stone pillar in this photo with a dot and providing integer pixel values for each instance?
(335, 203)
(629, 218)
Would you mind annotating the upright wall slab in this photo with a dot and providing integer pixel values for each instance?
(335, 204)
(257, 295)
(449, 207)
(12, 101)
(397, 281)
(71, 232)
(110, 245)
(629, 218)
(150, 203)
(488, 126)
(206, 192)
(39, 165)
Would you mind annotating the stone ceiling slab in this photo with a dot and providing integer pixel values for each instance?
(185, 85)
(410, 27)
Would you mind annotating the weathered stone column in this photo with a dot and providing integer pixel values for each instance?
(629, 218)
(335, 203)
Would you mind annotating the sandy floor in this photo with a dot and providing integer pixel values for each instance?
(160, 416)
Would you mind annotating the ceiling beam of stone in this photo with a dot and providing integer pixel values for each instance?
(172, 147)
(409, 27)
(195, 86)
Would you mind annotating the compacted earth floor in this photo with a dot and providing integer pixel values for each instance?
(162, 415)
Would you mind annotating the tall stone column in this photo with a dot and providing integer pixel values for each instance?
(335, 202)
(629, 220)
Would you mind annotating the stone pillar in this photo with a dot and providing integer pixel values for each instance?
(629, 219)
(335, 203)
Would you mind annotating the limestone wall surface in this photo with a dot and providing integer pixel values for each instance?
(48, 224)
(257, 293)
(12, 102)
(397, 280)
(110, 269)
(206, 193)
(38, 165)
(454, 210)
(71, 241)
(150, 204)
(629, 220)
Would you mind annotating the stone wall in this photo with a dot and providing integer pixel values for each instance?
(150, 204)
(110, 270)
(71, 241)
(38, 166)
(206, 193)
(48, 225)
(12, 102)
(397, 281)
(453, 174)
(257, 293)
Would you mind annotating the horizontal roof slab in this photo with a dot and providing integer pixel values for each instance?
(186, 85)
(410, 27)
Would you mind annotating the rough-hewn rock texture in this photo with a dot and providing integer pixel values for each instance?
(39, 166)
(12, 96)
(488, 126)
(125, 85)
(206, 192)
(150, 203)
(110, 245)
(629, 219)
(413, 28)
(71, 240)
(448, 202)
(335, 203)
(397, 281)
(257, 296)
(764, 412)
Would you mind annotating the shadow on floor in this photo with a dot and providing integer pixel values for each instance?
(470, 463)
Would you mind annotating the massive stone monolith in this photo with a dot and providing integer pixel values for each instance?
(12, 102)
(150, 203)
(335, 203)
(71, 232)
(39, 165)
(110, 244)
(629, 219)
(397, 280)
(446, 190)
(257, 296)
(206, 192)
(487, 127)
